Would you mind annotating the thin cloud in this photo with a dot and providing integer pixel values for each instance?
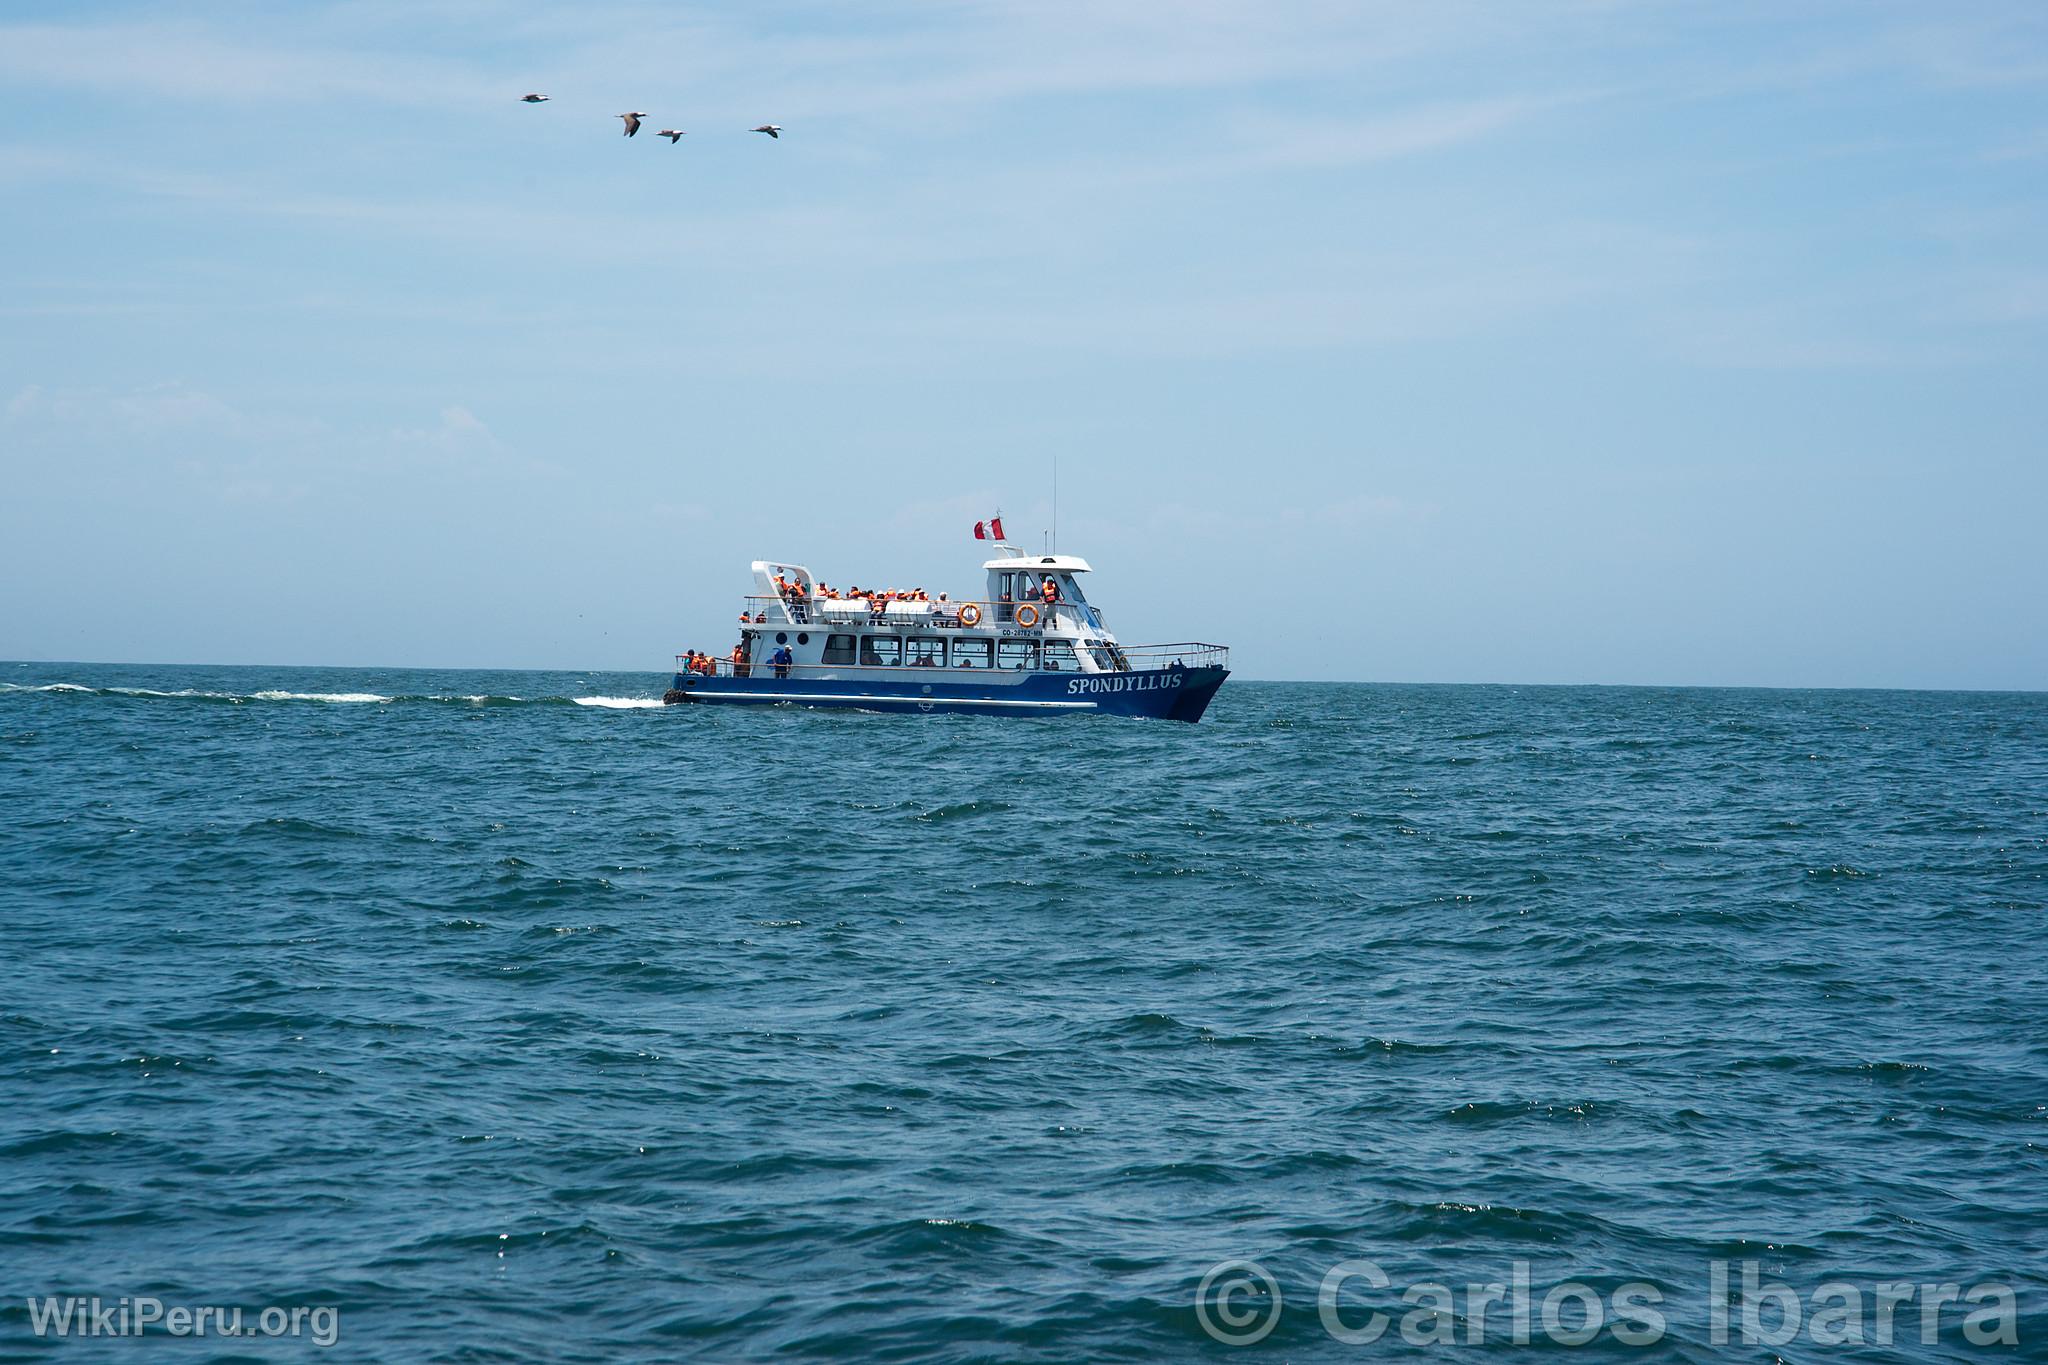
(1274, 141)
(180, 62)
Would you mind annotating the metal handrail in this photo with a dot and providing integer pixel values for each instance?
(941, 616)
(1190, 655)
(725, 668)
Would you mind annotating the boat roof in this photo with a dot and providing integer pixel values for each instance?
(1042, 563)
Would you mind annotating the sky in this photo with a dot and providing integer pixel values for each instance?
(1561, 341)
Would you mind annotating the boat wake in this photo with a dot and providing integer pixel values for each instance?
(331, 698)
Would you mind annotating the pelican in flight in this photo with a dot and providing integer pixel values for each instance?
(674, 135)
(633, 122)
(773, 130)
(533, 99)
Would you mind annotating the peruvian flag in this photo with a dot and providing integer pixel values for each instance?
(980, 531)
(995, 525)
(990, 529)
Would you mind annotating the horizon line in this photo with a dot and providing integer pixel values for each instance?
(1284, 682)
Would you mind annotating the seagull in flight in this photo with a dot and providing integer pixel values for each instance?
(533, 99)
(773, 130)
(633, 122)
(674, 135)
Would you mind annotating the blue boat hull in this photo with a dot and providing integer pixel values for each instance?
(1159, 693)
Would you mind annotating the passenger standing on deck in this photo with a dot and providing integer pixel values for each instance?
(782, 659)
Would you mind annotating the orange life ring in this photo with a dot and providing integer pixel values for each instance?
(970, 615)
(1027, 621)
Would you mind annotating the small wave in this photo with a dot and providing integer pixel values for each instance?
(965, 810)
(1837, 872)
(319, 696)
(618, 703)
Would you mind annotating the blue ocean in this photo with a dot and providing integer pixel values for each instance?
(513, 1016)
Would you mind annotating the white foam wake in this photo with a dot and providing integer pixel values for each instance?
(368, 698)
(194, 692)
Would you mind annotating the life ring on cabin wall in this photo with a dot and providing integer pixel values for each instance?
(1027, 615)
(970, 615)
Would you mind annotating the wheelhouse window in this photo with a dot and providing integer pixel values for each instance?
(838, 649)
(971, 653)
(1018, 653)
(881, 651)
(1059, 657)
(927, 653)
(1104, 660)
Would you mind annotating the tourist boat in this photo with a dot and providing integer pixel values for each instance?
(1016, 650)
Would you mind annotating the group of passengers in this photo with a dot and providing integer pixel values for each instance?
(797, 597)
(707, 666)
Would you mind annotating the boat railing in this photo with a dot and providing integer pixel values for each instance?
(1189, 654)
(915, 614)
(726, 668)
(1127, 659)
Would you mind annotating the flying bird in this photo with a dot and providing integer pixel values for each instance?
(674, 135)
(773, 130)
(632, 122)
(533, 99)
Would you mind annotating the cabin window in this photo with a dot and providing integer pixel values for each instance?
(970, 653)
(1104, 660)
(838, 649)
(1059, 657)
(881, 651)
(1018, 653)
(927, 653)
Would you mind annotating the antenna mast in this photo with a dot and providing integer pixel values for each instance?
(1055, 502)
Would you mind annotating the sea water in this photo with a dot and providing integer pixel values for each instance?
(515, 1016)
